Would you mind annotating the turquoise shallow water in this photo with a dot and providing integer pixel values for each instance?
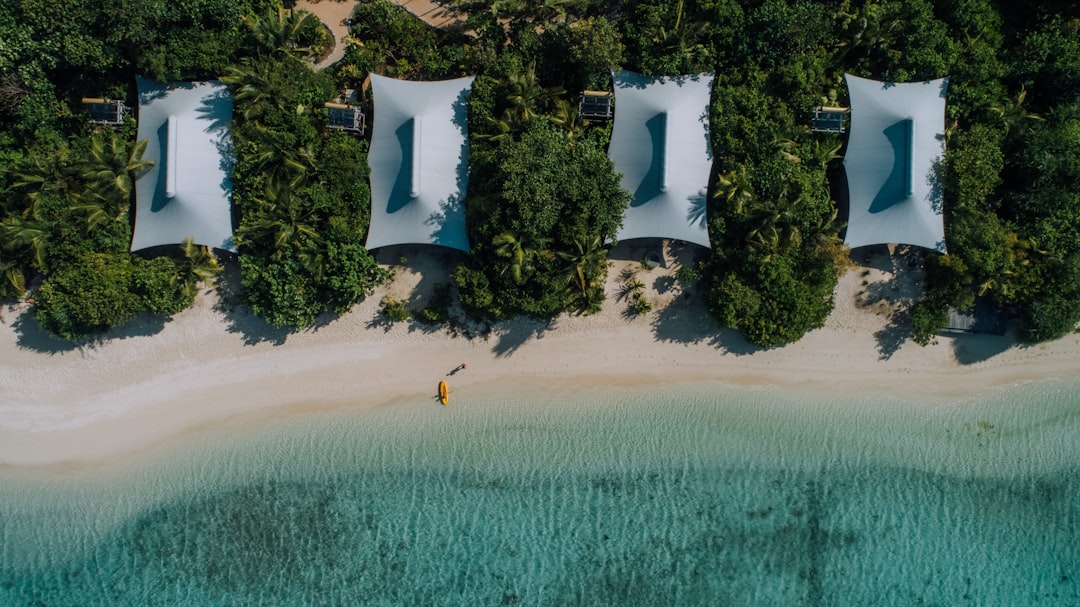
(690, 495)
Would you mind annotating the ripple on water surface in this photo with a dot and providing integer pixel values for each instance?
(696, 495)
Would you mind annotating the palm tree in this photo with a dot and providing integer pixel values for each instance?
(521, 252)
(280, 222)
(282, 163)
(98, 210)
(534, 11)
(15, 284)
(501, 128)
(584, 262)
(108, 171)
(527, 96)
(252, 87)
(113, 167)
(824, 235)
(565, 116)
(816, 152)
(950, 130)
(789, 149)
(682, 40)
(199, 265)
(869, 34)
(30, 233)
(826, 230)
(33, 182)
(282, 32)
(554, 11)
(510, 246)
(823, 151)
(301, 162)
(735, 188)
(632, 289)
(774, 226)
(41, 176)
(1014, 116)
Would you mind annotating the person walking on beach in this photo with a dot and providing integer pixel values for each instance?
(457, 368)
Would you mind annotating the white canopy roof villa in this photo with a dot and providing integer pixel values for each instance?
(187, 193)
(893, 163)
(660, 145)
(419, 163)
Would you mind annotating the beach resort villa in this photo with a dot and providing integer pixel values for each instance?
(187, 192)
(893, 163)
(660, 145)
(419, 160)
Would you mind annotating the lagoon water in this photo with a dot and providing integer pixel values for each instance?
(672, 495)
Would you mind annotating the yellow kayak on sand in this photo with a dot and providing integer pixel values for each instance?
(444, 392)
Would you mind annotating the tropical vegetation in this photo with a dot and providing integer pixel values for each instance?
(66, 186)
(301, 192)
(544, 202)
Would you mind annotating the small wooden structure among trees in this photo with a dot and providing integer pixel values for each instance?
(596, 105)
(110, 112)
(982, 318)
(829, 119)
(343, 117)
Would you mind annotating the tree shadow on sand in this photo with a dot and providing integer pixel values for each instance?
(238, 316)
(894, 334)
(382, 321)
(511, 335)
(900, 293)
(664, 285)
(894, 296)
(970, 349)
(686, 322)
(433, 266)
(30, 335)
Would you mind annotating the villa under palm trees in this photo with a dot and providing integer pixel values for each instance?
(893, 163)
(187, 191)
(660, 145)
(419, 163)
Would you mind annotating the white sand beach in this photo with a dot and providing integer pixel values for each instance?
(151, 382)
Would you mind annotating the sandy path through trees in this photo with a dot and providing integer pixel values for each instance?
(334, 14)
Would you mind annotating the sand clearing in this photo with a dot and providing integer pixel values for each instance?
(335, 13)
(153, 380)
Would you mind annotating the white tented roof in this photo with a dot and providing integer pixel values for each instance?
(419, 162)
(893, 163)
(660, 144)
(187, 192)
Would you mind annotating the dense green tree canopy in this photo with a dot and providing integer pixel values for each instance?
(543, 199)
(302, 194)
(537, 219)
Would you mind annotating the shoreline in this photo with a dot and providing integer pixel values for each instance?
(209, 366)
